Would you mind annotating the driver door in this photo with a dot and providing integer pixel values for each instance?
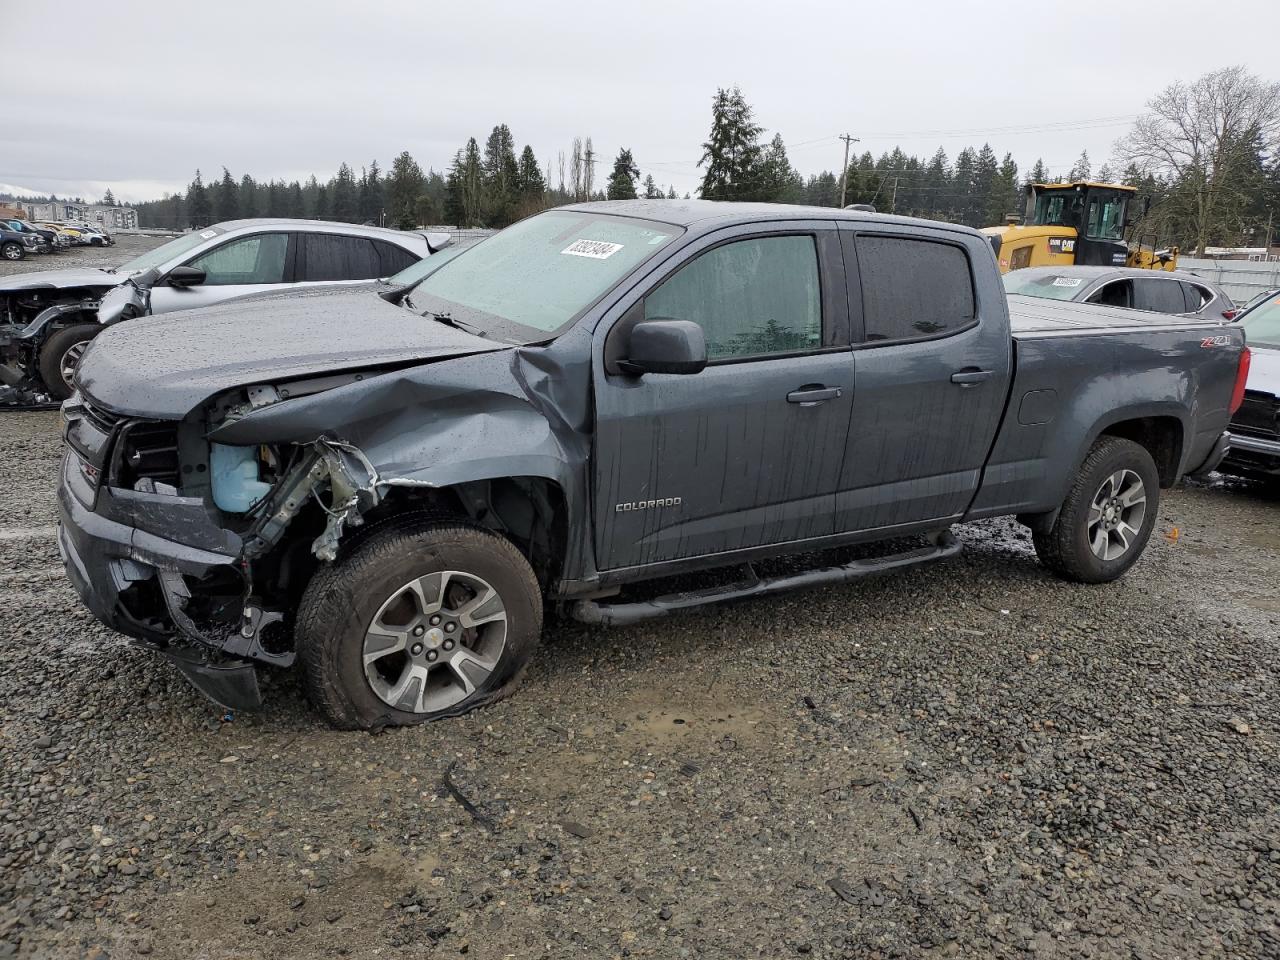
(256, 263)
(747, 452)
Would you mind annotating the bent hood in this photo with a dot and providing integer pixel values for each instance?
(63, 279)
(164, 366)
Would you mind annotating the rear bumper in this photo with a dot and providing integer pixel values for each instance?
(1252, 455)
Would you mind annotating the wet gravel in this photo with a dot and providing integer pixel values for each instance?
(127, 246)
(969, 759)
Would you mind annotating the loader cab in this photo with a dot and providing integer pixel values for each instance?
(1097, 213)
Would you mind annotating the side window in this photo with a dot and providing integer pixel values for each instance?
(751, 297)
(393, 258)
(256, 259)
(331, 256)
(1159, 295)
(914, 288)
(1196, 296)
(1117, 293)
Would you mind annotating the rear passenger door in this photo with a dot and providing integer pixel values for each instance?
(333, 258)
(932, 360)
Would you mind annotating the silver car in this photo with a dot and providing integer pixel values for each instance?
(48, 318)
(1160, 291)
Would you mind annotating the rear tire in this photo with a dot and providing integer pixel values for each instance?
(384, 635)
(60, 356)
(1107, 517)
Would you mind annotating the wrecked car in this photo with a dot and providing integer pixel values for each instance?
(387, 491)
(48, 318)
(1255, 428)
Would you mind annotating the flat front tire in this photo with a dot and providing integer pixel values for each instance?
(1107, 517)
(416, 623)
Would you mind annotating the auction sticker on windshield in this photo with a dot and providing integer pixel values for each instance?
(595, 249)
(1067, 281)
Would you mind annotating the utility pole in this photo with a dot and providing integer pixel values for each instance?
(844, 170)
(893, 204)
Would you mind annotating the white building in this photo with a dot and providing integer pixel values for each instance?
(113, 218)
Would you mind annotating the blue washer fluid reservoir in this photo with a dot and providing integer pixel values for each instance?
(234, 477)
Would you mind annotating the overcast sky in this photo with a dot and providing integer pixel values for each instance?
(136, 94)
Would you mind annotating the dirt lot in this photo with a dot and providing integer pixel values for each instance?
(970, 759)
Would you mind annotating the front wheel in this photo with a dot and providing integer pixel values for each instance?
(12, 251)
(1107, 517)
(60, 357)
(418, 622)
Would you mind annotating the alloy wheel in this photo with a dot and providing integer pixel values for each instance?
(1116, 514)
(70, 360)
(435, 641)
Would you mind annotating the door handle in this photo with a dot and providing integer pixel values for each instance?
(812, 393)
(967, 378)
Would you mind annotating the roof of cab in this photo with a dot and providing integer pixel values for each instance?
(703, 214)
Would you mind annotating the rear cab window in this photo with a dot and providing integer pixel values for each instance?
(913, 288)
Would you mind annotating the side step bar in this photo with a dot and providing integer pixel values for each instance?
(616, 614)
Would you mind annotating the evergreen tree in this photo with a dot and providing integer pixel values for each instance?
(731, 153)
(108, 198)
(622, 182)
(248, 197)
(532, 186)
(343, 198)
(371, 200)
(1039, 173)
(199, 207)
(322, 203)
(671, 192)
(295, 201)
(1081, 170)
(651, 191)
(499, 188)
(404, 186)
(465, 187)
(311, 196)
(275, 203)
(779, 181)
(227, 202)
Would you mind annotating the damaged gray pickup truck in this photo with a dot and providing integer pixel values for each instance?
(388, 488)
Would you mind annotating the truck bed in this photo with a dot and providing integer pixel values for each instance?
(1034, 316)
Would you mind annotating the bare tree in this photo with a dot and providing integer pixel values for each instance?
(575, 168)
(588, 169)
(1202, 139)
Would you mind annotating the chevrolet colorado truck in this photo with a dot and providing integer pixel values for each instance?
(589, 411)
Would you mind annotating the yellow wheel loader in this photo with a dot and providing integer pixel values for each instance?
(1079, 223)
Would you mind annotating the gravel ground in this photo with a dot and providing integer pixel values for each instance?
(127, 246)
(968, 759)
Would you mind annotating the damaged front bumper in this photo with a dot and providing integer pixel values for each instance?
(129, 578)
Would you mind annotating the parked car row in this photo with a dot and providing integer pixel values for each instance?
(18, 238)
(47, 318)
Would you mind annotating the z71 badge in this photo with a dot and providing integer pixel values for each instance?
(1208, 342)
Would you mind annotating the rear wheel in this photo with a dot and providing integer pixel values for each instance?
(417, 623)
(60, 356)
(1107, 517)
(12, 250)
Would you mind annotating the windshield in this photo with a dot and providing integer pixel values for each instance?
(167, 251)
(1262, 324)
(1050, 286)
(535, 277)
(415, 272)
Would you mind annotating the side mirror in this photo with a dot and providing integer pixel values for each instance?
(665, 346)
(186, 277)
